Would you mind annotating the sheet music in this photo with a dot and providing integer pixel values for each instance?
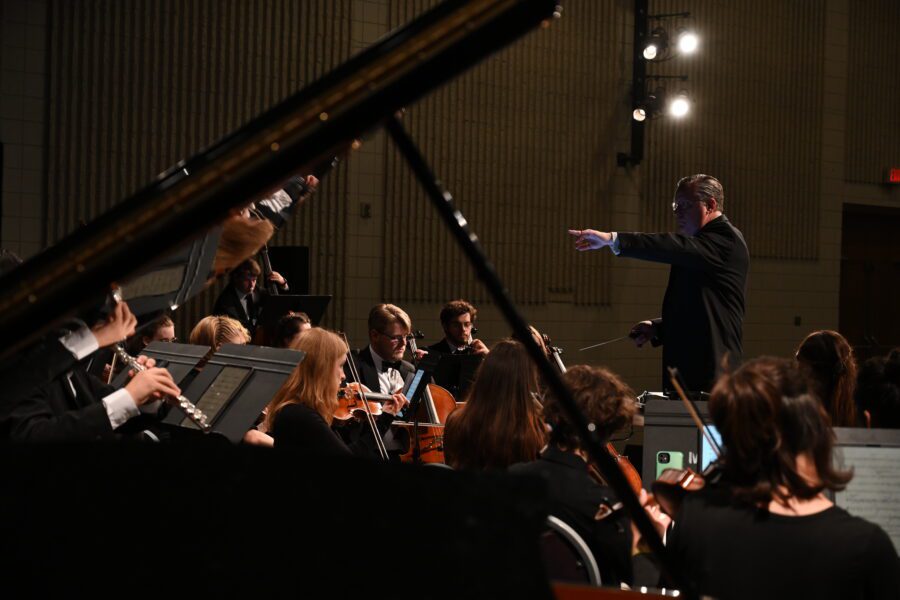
(154, 283)
(872, 494)
(222, 389)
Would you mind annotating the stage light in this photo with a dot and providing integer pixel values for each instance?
(687, 41)
(680, 105)
(655, 44)
(639, 114)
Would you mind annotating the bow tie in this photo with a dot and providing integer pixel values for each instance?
(385, 365)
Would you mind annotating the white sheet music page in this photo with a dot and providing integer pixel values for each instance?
(873, 492)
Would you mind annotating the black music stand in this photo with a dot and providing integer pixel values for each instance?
(455, 372)
(179, 359)
(234, 387)
(275, 307)
(174, 278)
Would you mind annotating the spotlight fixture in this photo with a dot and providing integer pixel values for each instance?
(651, 106)
(687, 41)
(680, 105)
(655, 44)
(657, 38)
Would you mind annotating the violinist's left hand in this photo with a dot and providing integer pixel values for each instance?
(660, 520)
(397, 403)
(479, 348)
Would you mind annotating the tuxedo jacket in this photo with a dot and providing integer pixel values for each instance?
(442, 347)
(366, 366)
(229, 304)
(703, 308)
(53, 413)
(39, 364)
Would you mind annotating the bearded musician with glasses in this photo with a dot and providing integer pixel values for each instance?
(703, 308)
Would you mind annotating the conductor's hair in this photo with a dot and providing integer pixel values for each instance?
(703, 187)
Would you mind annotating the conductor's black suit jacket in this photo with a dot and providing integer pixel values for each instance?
(703, 309)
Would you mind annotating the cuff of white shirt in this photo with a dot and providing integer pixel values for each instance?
(614, 246)
(120, 407)
(80, 342)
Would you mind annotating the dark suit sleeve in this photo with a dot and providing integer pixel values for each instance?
(709, 251)
(228, 305)
(33, 419)
(37, 366)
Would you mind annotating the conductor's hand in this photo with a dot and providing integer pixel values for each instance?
(397, 403)
(117, 327)
(642, 333)
(478, 348)
(152, 384)
(590, 239)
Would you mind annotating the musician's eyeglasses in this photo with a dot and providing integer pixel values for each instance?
(168, 340)
(394, 338)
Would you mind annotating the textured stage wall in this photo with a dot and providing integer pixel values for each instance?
(791, 101)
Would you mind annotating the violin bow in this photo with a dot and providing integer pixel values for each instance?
(354, 372)
(674, 375)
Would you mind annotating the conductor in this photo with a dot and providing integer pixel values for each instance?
(703, 308)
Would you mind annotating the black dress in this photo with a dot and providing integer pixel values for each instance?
(301, 428)
(733, 551)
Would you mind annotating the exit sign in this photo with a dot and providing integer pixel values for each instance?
(892, 176)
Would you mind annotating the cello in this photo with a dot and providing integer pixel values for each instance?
(426, 427)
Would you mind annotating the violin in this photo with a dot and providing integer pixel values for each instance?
(350, 402)
(673, 484)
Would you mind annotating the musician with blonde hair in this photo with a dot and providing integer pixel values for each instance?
(213, 331)
(302, 412)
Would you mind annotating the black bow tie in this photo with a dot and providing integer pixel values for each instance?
(385, 365)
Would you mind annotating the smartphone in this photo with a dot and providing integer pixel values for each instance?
(667, 459)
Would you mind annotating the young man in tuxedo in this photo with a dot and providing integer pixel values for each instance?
(458, 323)
(240, 299)
(381, 366)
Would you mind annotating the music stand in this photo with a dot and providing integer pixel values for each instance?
(179, 359)
(174, 278)
(235, 385)
(275, 307)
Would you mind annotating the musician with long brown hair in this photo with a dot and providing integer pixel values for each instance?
(828, 360)
(500, 424)
(302, 412)
(766, 529)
